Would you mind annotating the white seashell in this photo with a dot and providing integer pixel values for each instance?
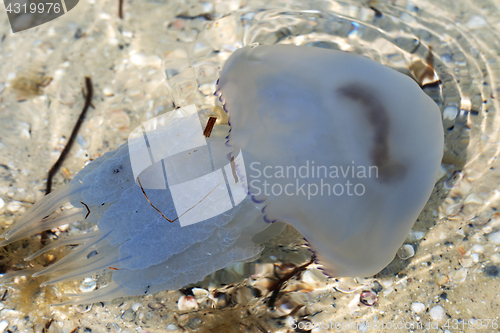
(219, 299)
(314, 278)
(200, 294)
(187, 302)
(88, 285)
(347, 285)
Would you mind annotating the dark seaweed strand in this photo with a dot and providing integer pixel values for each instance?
(67, 148)
(120, 9)
(277, 288)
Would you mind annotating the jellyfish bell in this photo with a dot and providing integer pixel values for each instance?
(364, 123)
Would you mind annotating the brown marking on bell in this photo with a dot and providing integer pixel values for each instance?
(210, 126)
(378, 117)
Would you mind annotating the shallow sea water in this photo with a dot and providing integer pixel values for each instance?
(165, 54)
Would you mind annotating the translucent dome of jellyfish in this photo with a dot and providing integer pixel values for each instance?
(341, 147)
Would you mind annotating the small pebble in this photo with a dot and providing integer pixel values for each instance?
(476, 22)
(492, 270)
(108, 91)
(2, 203)
(450, 113)
(136, 306)
(460, 275)
(25, 130)
(437, 313)
(494, 237)
(14, 206)
(172, 327)
(3, 325)
(128, 315)
(377, 287)
(127, 330)
(194, 322)
(406, 251)
(442, 279)
(82, 308)
(478, 248)
(467, 262)
(112, 327)
(474, 198)
(415, 236)
(418, 307)
(155, 306)
(495, 258)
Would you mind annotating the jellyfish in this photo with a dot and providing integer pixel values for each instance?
(342, 148)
